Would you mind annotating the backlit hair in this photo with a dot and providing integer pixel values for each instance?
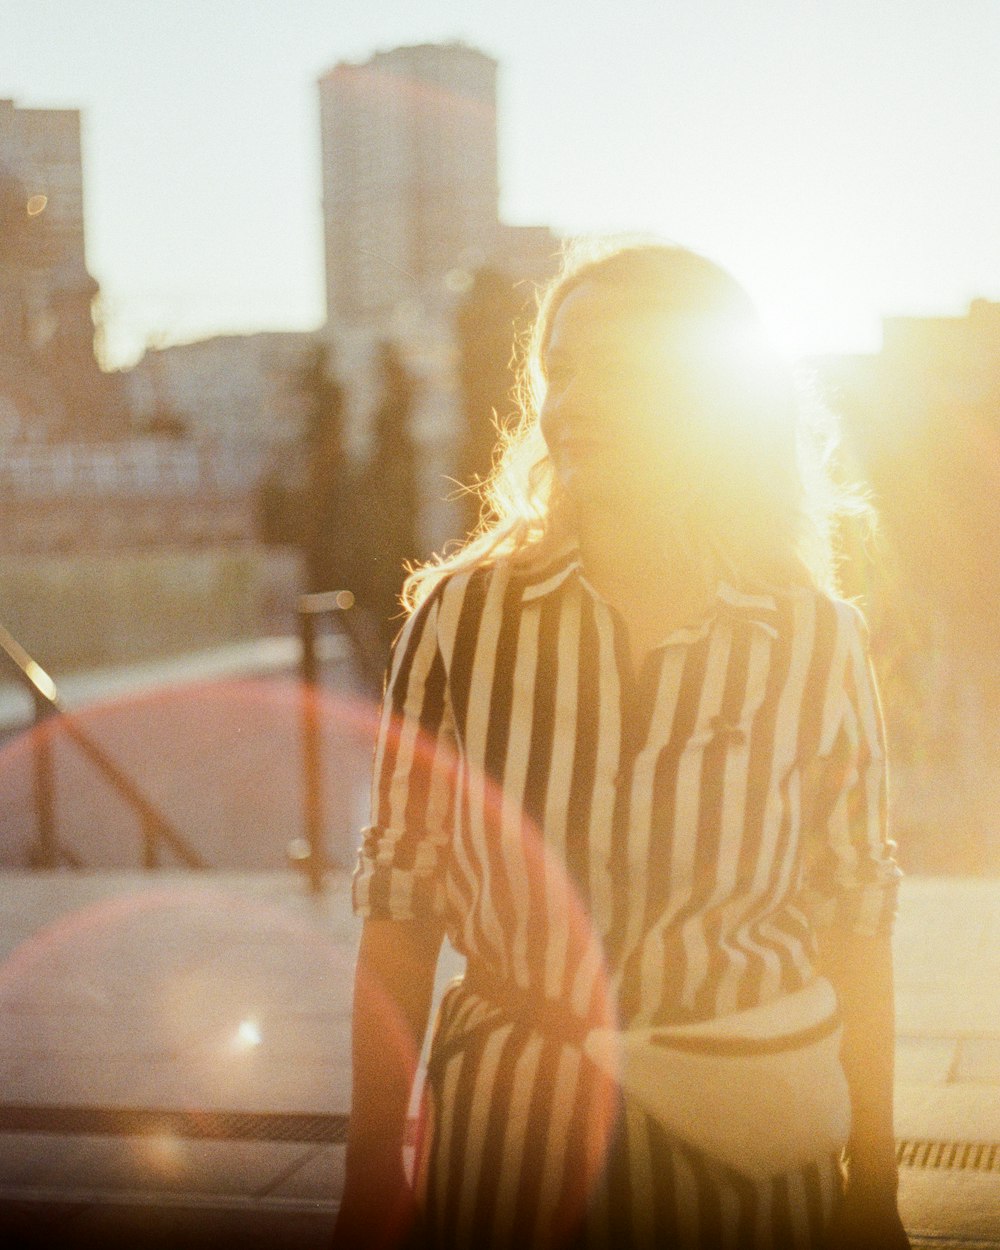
(765, 506)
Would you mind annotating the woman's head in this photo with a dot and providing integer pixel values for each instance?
(646, 385)
(653, 387)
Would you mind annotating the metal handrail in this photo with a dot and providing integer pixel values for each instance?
(337, 605)
(156, 828)
(309, 853)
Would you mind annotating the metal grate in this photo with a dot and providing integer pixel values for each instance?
(144, 1122)
(269, 1126)
(967, 1156)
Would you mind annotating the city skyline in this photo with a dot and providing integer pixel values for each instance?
(841, 163)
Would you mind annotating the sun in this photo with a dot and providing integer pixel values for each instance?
(819, 323)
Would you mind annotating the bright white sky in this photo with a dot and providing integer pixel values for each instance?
(842, 157)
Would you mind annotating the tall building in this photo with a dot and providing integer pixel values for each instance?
(50, 384)
(411, 214)
(410, 184)
(41, 148)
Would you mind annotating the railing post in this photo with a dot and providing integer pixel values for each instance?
(150, 843)
(311, 749)
(45, 802)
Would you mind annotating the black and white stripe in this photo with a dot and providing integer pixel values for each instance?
(659, 842)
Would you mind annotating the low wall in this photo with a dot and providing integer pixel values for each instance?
(90, 610)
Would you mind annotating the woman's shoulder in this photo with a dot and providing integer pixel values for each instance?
(492, 574)
(459, 598)
(825, 614)
(453, 586)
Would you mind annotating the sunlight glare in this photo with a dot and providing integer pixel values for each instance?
(790, 338)
(816, 325)
(248, 1035)
(165, 1153)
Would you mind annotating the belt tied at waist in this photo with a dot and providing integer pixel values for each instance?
(550, 1016)
(511, 1004)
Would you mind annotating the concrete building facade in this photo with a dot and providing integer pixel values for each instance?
(410, 184)
(238, 388)
(50, 383)
(42, 148)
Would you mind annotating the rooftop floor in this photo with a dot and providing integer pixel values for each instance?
(175, 1058)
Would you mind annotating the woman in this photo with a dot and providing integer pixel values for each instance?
(631, 762)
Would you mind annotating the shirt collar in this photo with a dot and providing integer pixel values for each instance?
(729, 602)
(550, 574)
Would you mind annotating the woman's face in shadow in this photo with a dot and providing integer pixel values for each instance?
(624, 394)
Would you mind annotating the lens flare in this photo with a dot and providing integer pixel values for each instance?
(198, 752)
(164, 1153)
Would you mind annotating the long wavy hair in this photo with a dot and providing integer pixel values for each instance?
(763, 505)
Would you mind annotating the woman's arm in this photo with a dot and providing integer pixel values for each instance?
(861, 971)
(393, 986)
(853, 880)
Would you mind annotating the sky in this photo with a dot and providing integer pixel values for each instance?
(841, 157)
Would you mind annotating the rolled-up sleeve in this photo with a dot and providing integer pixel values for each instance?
(403, 854)
(854, 879)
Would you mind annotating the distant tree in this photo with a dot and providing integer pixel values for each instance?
(279, 503)
(168, 424)
(326, 507)
(386, 501)
(487, 323)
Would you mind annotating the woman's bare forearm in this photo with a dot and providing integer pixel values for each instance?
(861, 971)
(393, 987)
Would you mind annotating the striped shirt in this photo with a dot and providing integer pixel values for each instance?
(655, 846)
(697, 817)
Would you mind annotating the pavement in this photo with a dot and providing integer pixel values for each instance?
(174, 1057)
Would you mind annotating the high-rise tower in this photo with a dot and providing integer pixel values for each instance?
(410, 186)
